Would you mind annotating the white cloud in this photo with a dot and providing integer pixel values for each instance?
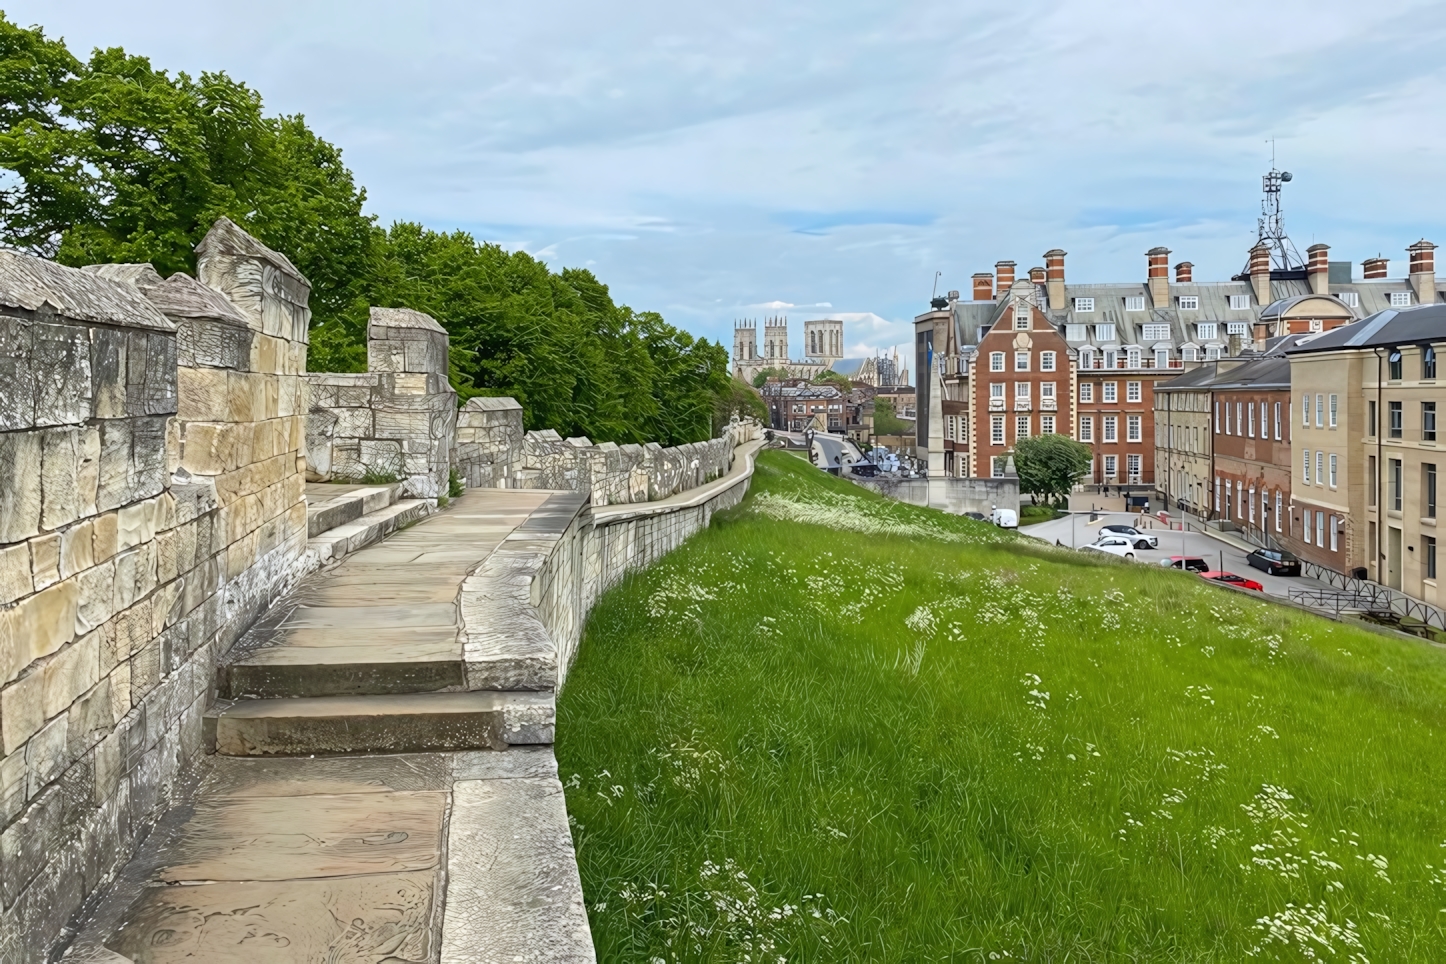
(710, 160)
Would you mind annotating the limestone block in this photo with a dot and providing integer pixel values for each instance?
(96, 590)
(137, 523)
(37, 626)
(135, 575)
(381, 456)
(48, 753)
(13, 786)
(16, 575)
(90, 719)
(69, 673)
(203, 394)
(120, 689)
(105, 540)
(22, 711)
(45, 560)
(76, 549)
(357, 423)
(87, 471)
(213, 343)
(114, 481)
(151, 375)
(20, 485)
(145, 670)
(17, 375)
(60, 356)
(149, 472)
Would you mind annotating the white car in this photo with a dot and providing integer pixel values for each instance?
(1123, 546)
(1130, 531)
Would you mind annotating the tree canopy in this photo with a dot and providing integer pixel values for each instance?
(886, 419)
(1049, 466)
(113, 160)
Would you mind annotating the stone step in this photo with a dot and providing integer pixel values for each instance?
(381, 661)
(370, 528)
(410, 723)
(329, 506)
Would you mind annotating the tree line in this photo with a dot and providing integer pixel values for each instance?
(110, 159)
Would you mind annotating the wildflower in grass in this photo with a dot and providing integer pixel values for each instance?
(1201, 692)
(1378, 862)
(921, 621)
(1310, 932)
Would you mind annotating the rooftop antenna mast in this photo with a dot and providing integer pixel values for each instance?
(1283, 256)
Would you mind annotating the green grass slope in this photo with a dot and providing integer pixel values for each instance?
(834, 727)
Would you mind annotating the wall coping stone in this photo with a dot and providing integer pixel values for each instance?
(403, 318)
(226, 237)
(32, 284)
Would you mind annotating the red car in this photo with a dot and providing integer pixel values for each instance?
(1239, 582)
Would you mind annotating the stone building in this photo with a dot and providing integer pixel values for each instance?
(1250, 411)
(1184, 450)
(796, 406)
(823, 342)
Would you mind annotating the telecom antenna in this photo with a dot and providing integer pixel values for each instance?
(1283, 256)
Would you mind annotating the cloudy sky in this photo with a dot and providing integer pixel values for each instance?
(715, 161)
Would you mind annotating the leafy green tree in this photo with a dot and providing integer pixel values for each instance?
(1049, 466)
(886, 419)
(112, 160)
(761, 377)
(837, 380)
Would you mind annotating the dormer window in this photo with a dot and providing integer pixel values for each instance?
(1104, 332)
(1076, 332)
(1205, 330)
(1189, 302)
(1238, 302)
(1084, 304)
(1212, 353)
(1021, 316)
(1187, 353)
(1135, 303)
(1351, 299)
(1155, 332)
(1237, 328)
(1400, 299)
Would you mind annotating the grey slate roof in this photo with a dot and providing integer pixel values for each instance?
(1263, 374)
(1384, 329)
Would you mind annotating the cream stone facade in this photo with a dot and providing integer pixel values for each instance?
(1331, 455)
(1183, 440)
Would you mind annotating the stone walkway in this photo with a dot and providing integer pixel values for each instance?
(357, 808)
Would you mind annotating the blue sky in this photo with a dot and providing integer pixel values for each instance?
(714, 161)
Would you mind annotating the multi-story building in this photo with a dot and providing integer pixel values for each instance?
(1250, 414)
(796, 406)
(1184, 450)
(1367, 493)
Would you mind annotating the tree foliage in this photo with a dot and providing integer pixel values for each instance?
(836, 379)
(113, 160)
(1049, 466)
(761, 377)
(886, 419)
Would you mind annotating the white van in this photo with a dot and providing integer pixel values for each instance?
(1005, 518)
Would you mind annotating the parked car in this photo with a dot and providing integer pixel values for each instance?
(1124, 530)
(1187, 563)
(978, 516)
(1275, 562)
(1239, 582)
(1122, 546)
(1006, 518)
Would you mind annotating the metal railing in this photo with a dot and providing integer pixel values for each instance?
(1382, 599)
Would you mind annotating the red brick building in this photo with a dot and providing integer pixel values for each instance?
(1251, 427)
(1022, 382)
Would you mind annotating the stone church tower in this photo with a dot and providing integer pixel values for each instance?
(775, 341)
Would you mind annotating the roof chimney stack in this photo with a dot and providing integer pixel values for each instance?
(1318, 268)
(1423, 271)
(983, 286)
(1036, 275)
(1260, 273)
(1375, 268)
(1159, 277)
(1182, 273)
(1054, 278)
(1003, 277)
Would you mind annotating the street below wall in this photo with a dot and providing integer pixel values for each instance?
(1076, 530)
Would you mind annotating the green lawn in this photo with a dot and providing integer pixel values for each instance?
(1030, 514)
(834, 727)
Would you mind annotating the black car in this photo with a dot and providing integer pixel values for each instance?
(1275, 563)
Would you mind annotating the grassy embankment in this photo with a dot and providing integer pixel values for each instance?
(834, 727)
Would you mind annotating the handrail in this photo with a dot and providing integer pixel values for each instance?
(1383, 599)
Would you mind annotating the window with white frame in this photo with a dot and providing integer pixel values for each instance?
(1332, 482)
(1319, 528)
(1335, 404)
(1046, 389)
(1277, 421)
(1134, 302)
(1350, 298)
(1250, 424)
(1110, 356)
(1087, 429)
(1021, 361)
(1205, 331)
(1133, 392)
(1305, 466)
(1236, 328)
(1076, 332)
(1132, 428)
(1046, 425)
(1110, 390)
(1305, 410)
(996, 389)
(1021, 316)
(1319, 468)
(1400, 299)
(1162, 358)
(1277, 510)
(996, 361)
(1046, 361)
(1264, 420)
(996, 430)
(1239, 302)
(1132, 358)
(1155, 332)
(1335, 544)
(1086, 391)
(1132, 467)
(1320, 411)
(1188, 353)
(1110, 463)
(1217, 417)
(1084, 304)
(1104, 332)
(1086, 359)
(1111, 428)
(1021, 426)
(1212, 353)
(1239, 418)
(1189, 302)
(1021, 389)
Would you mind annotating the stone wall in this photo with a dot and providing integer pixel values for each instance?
(493, 451)
(151, 505)
(395, 422)
(955, 496)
